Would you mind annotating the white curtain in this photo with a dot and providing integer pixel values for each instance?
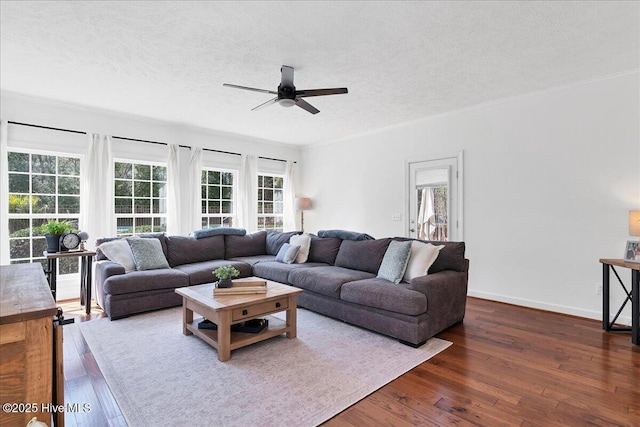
(174, 220)
(289, 199)
(96, 187)
(248, 193)
(194, 212)
(4, 193)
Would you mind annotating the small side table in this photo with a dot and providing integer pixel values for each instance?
(633, 296)
(86, 258)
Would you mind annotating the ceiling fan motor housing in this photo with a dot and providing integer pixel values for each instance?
(286, 95)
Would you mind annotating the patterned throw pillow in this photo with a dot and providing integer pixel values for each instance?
(147, 254)
(395, 261)
(287, 253)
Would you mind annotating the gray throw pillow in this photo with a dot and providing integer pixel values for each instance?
(287, 253)
(147, 254)
(395, 261)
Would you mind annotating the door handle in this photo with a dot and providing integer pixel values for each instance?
(413, 230)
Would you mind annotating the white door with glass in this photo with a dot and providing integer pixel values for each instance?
(435, 194)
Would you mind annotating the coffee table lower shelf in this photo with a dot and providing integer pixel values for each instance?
(240, 339)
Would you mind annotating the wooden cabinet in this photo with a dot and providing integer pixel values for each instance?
(27, 351)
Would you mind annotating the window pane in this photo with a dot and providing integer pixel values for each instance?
(122, 188)
(68, 166)
(214, 177)
(43, 204)
(159, 173)
(204, 192)
(18, 203)
(68, 204)
(18, 183)
(38, 246)
(227, 193)
(278, 195)
(123, 170)
(268, 195)
(142, 172)
(124, 226)
(41, 163)
(227, 207)
(214, 192)
(227, 178)
(68, 185)
(142, 206)
(19, 248)
(44, 184)
(203, 177)
(19, 228)
(278, 208)
(159, 206)
(268, 181)
(204, 206)
(36, 224)
(268, 207)
(214, 207)
(142, 189)
(143, 225)
(159, 189)
(123, 205)
(277, 182)
(18, 162)
(159, 224)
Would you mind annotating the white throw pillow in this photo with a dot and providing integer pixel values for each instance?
(423, 255)
(119, 251)
(304, 241)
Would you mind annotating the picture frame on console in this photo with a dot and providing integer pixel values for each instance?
(632, 251)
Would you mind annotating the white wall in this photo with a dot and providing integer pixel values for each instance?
(549, 178)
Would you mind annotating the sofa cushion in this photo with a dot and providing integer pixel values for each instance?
(363, 255)
(185, 250)
(382, 294)
(325, 280)
(147, 254)
(118, 251)
(423, 255)
(252, 260)
(275, 240)
(304, 242)
(249, 245)
(278, 271)
(345, 234)
(140, 281)
(202, 272)
(395, 261)
(324, 249)
(287, 253)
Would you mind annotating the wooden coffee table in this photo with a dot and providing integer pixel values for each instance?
(226, 310)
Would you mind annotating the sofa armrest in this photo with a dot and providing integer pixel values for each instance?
(106, 269)
(446, 293)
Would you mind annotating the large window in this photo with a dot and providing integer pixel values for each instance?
(140, 197)
(217, 198)
(270, 202)
(41, 188)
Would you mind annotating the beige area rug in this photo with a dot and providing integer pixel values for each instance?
(161, 377)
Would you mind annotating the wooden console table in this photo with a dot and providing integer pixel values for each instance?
(31, 375)
(633, 296)
(86, 258)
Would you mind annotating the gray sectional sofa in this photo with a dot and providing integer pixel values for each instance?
(339, 280)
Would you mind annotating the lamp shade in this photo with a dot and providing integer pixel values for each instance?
(303, 203)
(634, 223)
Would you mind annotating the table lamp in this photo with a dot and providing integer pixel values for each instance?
(634, 223)
(302, 204)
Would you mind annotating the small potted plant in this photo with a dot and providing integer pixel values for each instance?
(225, 274)
(53, 230)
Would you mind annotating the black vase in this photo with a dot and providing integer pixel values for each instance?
(53, 243)
(225, 283)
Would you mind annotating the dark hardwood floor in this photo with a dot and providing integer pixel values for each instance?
(508, 366)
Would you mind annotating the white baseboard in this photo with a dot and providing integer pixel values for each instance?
(589, 314)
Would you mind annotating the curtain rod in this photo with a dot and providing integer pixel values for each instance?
(138, 140)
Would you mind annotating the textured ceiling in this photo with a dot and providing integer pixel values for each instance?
(400, 60)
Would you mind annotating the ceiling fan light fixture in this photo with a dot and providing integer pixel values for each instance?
(287, 102)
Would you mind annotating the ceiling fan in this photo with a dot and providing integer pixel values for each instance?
(288, 96)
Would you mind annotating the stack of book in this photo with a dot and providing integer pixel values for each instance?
(242, 287)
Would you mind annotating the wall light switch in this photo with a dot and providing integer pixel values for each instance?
(396, 217)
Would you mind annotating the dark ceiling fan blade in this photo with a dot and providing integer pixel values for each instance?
(264, 104)
(306, 106)
(287, 76)
(250, 88)
(321, 92)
